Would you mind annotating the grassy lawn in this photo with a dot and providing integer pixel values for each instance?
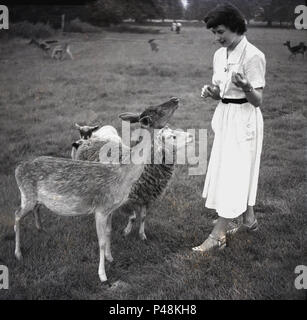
(41, 99)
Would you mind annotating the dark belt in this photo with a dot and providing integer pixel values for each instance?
(237, 101)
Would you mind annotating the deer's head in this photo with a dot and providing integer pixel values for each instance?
(155, 117)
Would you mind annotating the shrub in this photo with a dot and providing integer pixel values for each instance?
(26, 29)
(124, 28)
(77, 25)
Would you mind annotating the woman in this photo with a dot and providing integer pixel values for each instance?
(238, 81)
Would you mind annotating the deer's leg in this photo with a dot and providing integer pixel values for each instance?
(26, 207)
(70, 54)
(142, 224)
(38, 222)
(108, 238)
(128, 228)
(101, 225)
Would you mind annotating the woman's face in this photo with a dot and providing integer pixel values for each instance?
(224, 36)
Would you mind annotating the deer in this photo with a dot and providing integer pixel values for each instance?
(299, 49)
(59, 52)
(44, 45)
(73, 187)
(153, 45)
(155, 177)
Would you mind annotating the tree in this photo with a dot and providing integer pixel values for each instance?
(197, 9)
(277, 10)
(140, 10)
(173, 9)
(106, 12)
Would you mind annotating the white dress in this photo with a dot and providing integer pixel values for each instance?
(233, 169)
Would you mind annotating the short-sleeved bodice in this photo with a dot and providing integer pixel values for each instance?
(246, 59)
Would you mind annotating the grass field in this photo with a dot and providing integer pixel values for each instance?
(41, 99)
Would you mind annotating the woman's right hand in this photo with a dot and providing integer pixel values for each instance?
(210, 91)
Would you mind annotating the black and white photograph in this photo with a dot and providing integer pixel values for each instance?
(153, 150)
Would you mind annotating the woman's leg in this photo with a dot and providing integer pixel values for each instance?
(249, 216)
(218, 233)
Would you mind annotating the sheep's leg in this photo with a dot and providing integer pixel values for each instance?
(101, 225)
(108, 237)
(25, 208)
(142, 224)
(128, 228)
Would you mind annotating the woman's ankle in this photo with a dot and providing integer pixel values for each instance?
(249, 216)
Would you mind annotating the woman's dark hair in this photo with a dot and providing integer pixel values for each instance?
(226, 15)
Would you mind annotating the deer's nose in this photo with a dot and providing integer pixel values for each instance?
(175, 99)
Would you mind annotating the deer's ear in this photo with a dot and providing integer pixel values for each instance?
(146, 121)
(129, 116)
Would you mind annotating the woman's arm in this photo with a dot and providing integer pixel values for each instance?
(253, 95)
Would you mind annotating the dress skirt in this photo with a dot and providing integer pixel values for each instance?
(233, 169)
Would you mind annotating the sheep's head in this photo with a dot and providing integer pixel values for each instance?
(173, 139)
(86, 131)
(153, 116)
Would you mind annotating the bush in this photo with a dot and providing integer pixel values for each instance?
(26, 29)
(79, 26)
(125, 28)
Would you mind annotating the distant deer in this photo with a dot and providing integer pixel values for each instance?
(72, 187)
(57, 52)
(304, 48)
(43, 44)
(299, 49)
(60, 51)
(153, 45)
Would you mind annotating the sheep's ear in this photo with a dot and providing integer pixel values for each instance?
(77, 126)
(95, 128)
(146, 122)
(129, 116)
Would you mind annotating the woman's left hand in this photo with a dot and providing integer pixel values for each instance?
(239, 80)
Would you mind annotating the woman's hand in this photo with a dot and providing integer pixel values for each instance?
(253, 95)
(240, 81)
(211, 91)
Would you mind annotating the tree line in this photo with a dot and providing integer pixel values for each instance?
(101, 12)
(107, 12)
(259, 10)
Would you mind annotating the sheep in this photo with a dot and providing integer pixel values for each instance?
(86, 131)
(72, 187)
(105, 133)
(154, 178)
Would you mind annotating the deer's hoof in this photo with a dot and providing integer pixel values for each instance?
(102, 277)
(109, 258)
(18, 255)
(143, 236)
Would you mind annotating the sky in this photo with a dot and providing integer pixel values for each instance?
(184, 2)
